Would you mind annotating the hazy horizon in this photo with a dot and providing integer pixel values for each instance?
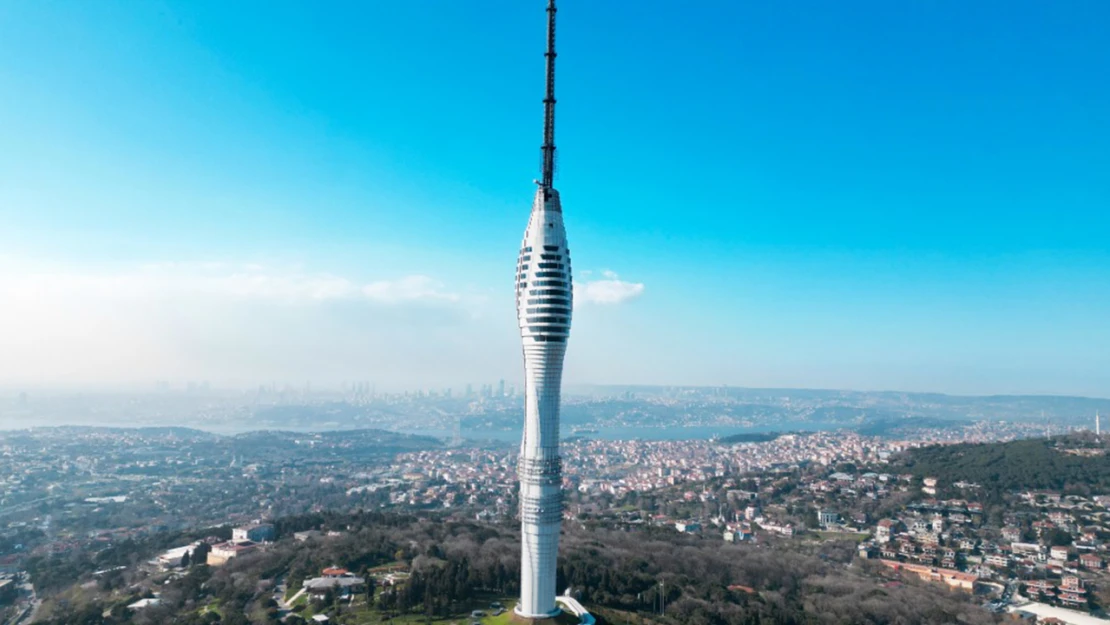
(306, 389)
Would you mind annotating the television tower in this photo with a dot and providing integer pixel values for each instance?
(543, 307)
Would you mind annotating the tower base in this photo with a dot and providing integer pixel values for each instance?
(536, 617)
(556, 618)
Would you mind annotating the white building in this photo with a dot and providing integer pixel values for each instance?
(930, 486)
(222, 552)
(343, 584)
(175, 557)
(688, 527)
(827, 518)
(885, 529)
(257, 533)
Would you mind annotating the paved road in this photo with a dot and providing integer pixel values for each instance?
(584, 617)
(29, 614)
(288, 605)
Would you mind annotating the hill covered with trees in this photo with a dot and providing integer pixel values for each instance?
(454, 563)
(1076, 464)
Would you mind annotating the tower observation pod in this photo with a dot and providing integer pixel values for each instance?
(544, 300)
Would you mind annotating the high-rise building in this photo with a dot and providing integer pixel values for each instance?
(543, 305)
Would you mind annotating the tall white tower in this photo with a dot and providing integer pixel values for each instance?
(543, 306)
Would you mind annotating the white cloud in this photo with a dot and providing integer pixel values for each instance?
(408, 289)
(609, 290)
(248, 281)
(241, 323)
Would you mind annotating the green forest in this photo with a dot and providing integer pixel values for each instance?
(620, 574)
(1032, 464)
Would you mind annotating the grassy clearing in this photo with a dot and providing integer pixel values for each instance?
(214, 608)
(507, 618)
(621, 617)
(390, 567)
(501, 619)
(858, 537)
(361, 614)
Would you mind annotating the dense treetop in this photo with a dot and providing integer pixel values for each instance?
(1074, 464)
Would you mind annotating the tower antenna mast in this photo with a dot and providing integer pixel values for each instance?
(549, 105)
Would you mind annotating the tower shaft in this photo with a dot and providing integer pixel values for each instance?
(544, 300)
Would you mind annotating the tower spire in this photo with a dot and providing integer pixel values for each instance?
(549, 104)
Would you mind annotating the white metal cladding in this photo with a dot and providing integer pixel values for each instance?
(544, 300)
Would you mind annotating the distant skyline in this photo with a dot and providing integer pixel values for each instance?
(868, 195)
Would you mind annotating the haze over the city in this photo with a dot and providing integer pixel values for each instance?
(867, 196)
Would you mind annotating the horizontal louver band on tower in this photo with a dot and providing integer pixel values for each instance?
(548, 512)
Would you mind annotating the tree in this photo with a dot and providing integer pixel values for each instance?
(336, 604)
(185, 561)
(234, 617)
(370, 584)
(1059, 538)
(810, 517)
(200, 553)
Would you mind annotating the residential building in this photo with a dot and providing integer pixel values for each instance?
(223, 552)
(257, 533)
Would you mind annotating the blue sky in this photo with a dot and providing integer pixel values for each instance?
(867, 195)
